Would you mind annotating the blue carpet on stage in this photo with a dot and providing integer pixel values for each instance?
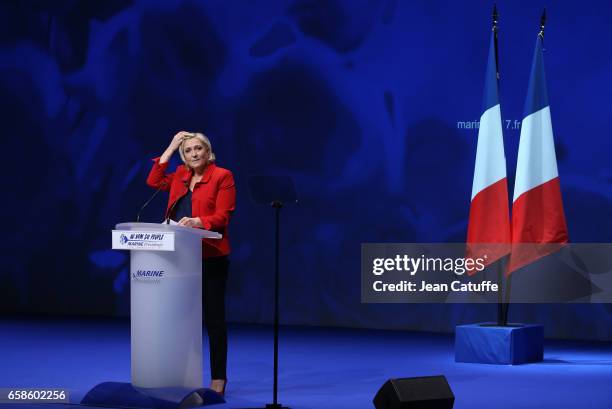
(319, 368)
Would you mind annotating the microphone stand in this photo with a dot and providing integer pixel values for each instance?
(164, 184)
(274, 191)
(277, 205)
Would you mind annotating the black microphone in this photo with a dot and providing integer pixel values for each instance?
(169, 213)
(163, 184)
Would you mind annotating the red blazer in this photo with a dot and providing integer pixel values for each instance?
(213, 199)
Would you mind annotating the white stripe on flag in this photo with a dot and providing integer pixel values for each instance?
(490, 164)
(537, 162)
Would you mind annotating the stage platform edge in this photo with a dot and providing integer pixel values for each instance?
(487, 343)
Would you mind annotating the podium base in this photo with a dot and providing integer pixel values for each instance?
(124, 394)
(491, 344)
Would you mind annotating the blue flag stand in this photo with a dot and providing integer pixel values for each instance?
(489, 343)
(500, 343)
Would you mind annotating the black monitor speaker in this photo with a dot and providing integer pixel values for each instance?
(427, 392)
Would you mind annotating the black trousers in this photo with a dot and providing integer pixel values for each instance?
(214, 278)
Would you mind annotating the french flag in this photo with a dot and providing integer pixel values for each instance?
(489, 222)
(537, 209)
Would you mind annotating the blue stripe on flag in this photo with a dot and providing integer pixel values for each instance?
(491, 93)
(537, 95)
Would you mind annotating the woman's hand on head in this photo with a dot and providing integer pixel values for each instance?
(174, 145)
(178, 139)
(190, 222)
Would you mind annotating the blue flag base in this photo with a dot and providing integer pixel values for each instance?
(490, 344)
(122, 394)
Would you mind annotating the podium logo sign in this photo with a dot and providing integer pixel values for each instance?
(143, 240)
(153, 276)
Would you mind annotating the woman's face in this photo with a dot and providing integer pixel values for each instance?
(195, 153)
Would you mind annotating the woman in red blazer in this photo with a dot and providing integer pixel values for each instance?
(202, 195)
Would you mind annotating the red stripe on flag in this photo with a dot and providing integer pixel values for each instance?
(489, 223)
(537, 217)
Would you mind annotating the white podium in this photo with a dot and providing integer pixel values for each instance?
(166, 302)
(166, 320)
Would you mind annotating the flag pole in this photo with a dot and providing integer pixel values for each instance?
(495, 20)
(500, 263)
(542, 24)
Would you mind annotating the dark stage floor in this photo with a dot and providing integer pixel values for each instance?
(320, 368)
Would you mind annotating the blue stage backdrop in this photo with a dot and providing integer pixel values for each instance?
(367, 104)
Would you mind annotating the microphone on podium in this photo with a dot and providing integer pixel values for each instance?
(161, 186)
(169, 213)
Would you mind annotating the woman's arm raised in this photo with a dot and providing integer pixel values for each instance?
(158, 178)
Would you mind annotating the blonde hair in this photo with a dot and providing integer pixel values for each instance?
(205, 141)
